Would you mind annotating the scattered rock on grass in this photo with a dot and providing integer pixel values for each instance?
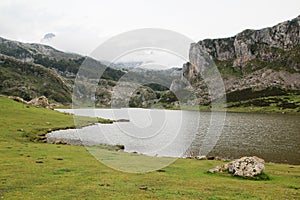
(216, 169)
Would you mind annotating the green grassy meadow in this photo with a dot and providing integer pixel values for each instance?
(34, 170)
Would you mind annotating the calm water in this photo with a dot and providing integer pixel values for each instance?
(274, 137)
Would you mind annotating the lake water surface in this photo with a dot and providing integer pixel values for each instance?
(174, 133)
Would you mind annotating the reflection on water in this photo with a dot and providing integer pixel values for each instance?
(274, 137)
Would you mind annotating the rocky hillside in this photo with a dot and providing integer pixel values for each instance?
(32, 70)
(29, 80)
(66, 64)
(253, 63)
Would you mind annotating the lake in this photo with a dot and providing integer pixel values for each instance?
(176, 133)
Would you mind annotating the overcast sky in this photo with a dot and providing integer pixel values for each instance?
(80, 26)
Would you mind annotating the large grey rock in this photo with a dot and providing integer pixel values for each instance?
(244, 167)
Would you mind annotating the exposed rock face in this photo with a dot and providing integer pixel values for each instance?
(250, 44)
(244, 167)
(255, 59)
(41, 101)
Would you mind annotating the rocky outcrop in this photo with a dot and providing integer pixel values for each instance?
(41, 101)
(244, 167)
(251, 44)
(252, 59)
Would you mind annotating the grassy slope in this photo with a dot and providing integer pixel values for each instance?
(79, 175)
(277, 104)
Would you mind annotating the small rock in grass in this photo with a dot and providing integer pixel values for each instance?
(104, 184)
(201, 158)
(143, 187)
(39, 161)
(60, 141)
(58, 158)
(215, 170)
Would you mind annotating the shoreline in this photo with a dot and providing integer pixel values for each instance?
(254, 110)
(78, 142)
(122, 148)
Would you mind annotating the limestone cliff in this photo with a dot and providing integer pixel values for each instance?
(252, 59)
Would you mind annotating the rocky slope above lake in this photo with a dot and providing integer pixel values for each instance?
(253, 63)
